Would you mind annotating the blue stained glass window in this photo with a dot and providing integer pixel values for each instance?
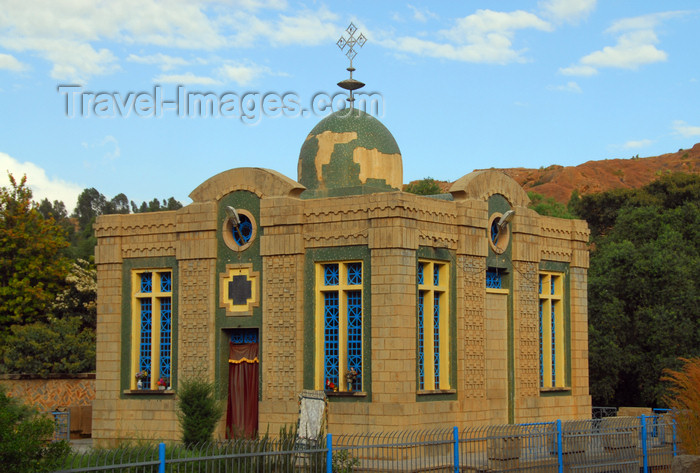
(436, 274)
(244, 232)
(146, 282)
(554, 355)
(552, 285)
(421, 267)
(244, 335)
(146, 330)
(165, 336)
(355, 335)
(494, 230)
(421, 341)
(541, 345)
(436, 338)
(354, 274)
(166, 282)
(331, 274)
(541, 279)
(331, 332)
(493, 278)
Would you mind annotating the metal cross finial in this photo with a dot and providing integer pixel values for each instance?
(351, 41)
(351, 84)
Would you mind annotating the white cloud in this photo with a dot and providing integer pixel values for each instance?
(635, 46)
(187, 78)
(422, 15)
(632, 50)
(485, 36)
(115, 152)
(685, 130)
(643, 22)
(163, 61)
(307, 28)
(578, 70)
(72, 34)
(242, 75)
(11, 63)
(570, 11)
(42, 186)
(637, 144)
(570, 86)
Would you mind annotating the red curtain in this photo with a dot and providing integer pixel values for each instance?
(242, 410)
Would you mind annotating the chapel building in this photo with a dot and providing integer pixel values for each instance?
(465, 308)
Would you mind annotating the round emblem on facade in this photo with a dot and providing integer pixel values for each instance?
(499, 231)
(239, 229)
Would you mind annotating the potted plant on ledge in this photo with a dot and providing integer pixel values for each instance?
(350, 378)
(141, 379)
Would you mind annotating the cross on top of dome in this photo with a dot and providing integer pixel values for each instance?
(350, 42)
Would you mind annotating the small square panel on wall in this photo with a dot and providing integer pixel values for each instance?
(239, 289)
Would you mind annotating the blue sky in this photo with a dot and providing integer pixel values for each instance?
(461, 85)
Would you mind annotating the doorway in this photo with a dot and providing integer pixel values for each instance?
(243, 382)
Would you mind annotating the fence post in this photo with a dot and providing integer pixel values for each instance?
(329, 453)
(455, 435)
(673, 426)
(161, 457)
(560, 447)
(645, 460)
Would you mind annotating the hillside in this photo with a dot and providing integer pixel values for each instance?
(598, 176)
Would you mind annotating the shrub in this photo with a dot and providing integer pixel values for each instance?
(198, 410)
(685, 400)
(25, 439)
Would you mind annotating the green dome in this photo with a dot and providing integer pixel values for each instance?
(349, 152)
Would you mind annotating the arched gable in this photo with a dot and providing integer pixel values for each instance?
(262, 182)
(480, 185)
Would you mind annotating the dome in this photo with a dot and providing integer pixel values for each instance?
(349, 152)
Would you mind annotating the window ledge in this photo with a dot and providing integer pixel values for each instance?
(436, 391)
(555, 390)
(160, 392)
(494, 290)
(346, 393)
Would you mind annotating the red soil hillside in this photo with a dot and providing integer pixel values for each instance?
(598, 176)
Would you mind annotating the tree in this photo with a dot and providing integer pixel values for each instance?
(79, 297)
(548, 206)
(91, 203)
(32, 270)
(118, 205)
(198, 410)
(43, 348)
(25, 439)
(644, 291)
(427, 186)
(155, 206)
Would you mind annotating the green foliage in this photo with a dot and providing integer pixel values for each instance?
(427, 186)
(344, 462)
(79, 297)
(548, 206)
(644, 289)
(198, 410)
(41, 348)
(25, 439)
(155, 206)
(32, 270)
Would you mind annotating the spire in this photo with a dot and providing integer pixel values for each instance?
(351, 84)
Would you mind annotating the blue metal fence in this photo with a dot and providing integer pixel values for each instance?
(613, 444)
